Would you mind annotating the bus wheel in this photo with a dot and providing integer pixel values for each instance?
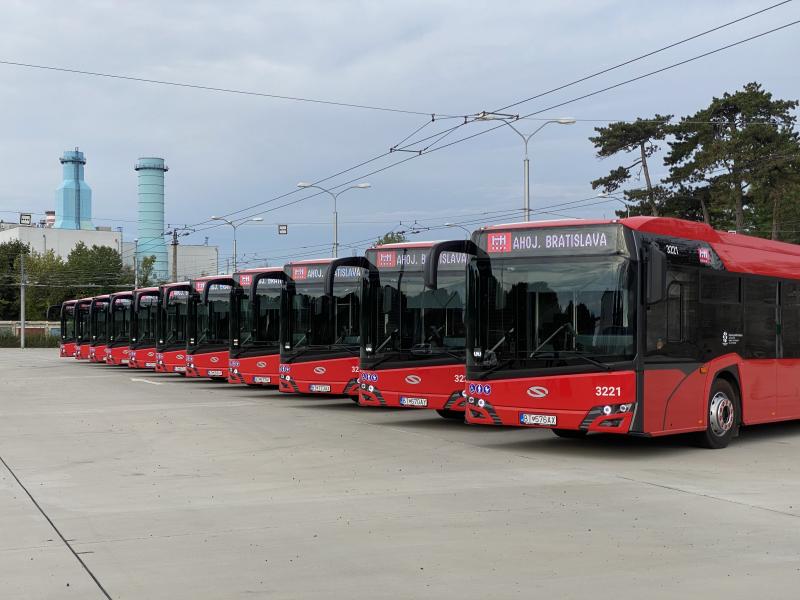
(570, 433)
(723, 416)
(455, 415)
(354, 399)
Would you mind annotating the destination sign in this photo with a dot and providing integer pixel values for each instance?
(409, 259)
(555, 241)
(316, 273)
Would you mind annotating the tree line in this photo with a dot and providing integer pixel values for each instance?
(87, 271)
(734, 164)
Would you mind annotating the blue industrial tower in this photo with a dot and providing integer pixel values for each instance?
(73, 196)
(151, 214)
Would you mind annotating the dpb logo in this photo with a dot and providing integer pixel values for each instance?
(320, 370)
(413, 379)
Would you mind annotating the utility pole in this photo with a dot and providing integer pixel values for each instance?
(22, 300)
(174, 254)
(136, 264)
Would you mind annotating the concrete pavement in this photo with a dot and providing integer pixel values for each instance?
(168, 488)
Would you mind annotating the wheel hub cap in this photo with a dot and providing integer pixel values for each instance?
(721, 414)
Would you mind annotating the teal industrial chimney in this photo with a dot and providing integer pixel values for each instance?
(73, 196)
(151, 214)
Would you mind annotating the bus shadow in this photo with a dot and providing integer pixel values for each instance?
(345, 404)
(769, 432)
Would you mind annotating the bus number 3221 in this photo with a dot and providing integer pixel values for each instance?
(608, 391)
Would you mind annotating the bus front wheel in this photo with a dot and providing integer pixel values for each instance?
(723, 416)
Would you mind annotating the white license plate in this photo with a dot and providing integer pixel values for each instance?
(150, 365)
(180, 369)
(214, 373)
(531, 419)
(262, 379)
(124, 361)
(316, 387)
(420, 402)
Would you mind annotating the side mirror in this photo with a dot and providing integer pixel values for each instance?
(656, 281)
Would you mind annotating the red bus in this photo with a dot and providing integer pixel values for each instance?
(255, 326)
(119, 328)
(66, 346)
(412, 336)
(319, 332)
(173, 315)
(646, 326)
(82, 335)
(98, 334)
(144, 315)
(209, 327)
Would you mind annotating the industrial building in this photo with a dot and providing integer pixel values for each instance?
(71, 222)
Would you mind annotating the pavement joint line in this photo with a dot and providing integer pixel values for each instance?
(709, 496)
(142, 380)
(58, 532)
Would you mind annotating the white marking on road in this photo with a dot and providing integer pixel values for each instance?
(145, 381)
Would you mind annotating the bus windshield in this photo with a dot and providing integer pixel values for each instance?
(548, 312)
(98, 320)
(414, 321)
(175, 317)
(259, 319)
(146, 316)
(82, 323)
(120, 320)
(213, 316)
(320, 321)
(68, 323)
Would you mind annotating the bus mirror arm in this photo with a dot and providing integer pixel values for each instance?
(656, 274)
(349, 261)
(432, 259)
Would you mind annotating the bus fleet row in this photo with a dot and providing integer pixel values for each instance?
(642, 326)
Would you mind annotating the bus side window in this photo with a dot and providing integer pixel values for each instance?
(675, 312)
(760, 328)
(790, 319)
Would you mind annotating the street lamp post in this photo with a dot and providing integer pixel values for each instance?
(466, 231)
(335, 195)
(618, 199)
(526, 161)
(236, 226)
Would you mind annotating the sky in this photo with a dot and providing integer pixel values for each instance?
(227, 152)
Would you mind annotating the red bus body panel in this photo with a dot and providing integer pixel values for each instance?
(171, 361)
(142, 358)
(439, 386)
(82, 351)
(568, 398)
(339, 374)
(97, 353)
(207, 364)
(255, 370)
(117, 355)
(66, 350)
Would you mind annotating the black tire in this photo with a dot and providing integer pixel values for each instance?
(572, 434)
(724, 416)
(453, 415)
(354, 399)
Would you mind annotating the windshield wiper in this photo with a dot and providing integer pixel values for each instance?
(500, 365)
(550, 337)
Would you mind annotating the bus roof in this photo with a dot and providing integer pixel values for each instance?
(210, 277)
(401, 245)
(739, 252)
(168, 286)
(260, 270)
(310, 261)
